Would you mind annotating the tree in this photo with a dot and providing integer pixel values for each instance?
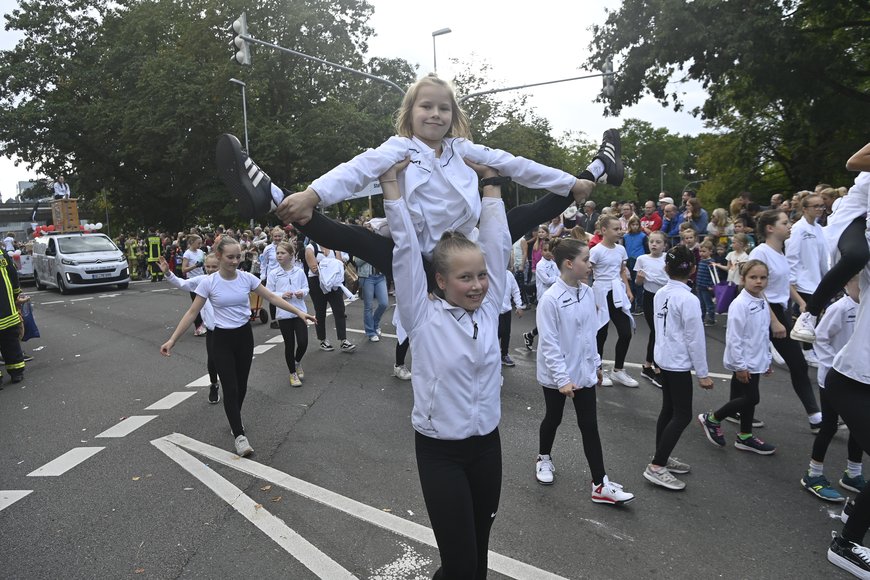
(790, 77)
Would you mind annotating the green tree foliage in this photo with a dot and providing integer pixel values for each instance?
(791, 78)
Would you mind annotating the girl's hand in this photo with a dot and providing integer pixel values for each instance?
(777, 328)
(706, 383)
(163, 264)
(768, 372)
(482, 171)
(630, 295)
(310, 318)
(742, 376)
(299, 294)
(298, 207)
(639, 278)
(287, 295)
(167, 347)
(393, 172)
(519, 312)
(568, 390)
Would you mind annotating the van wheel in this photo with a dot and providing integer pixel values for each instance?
(123, 286)
(38, 282)
(61, 285)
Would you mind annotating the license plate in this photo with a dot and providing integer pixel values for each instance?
(103, 275)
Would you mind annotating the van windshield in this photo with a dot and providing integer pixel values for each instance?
(80, 245)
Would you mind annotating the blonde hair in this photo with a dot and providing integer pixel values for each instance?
(276, 230)
(459, 125)
(720, 218)
(450, 243)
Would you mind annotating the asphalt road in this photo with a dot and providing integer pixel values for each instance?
(332, 490)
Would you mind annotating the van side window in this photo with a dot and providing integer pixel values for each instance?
(50, 251)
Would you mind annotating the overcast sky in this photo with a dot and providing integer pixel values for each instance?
(544, 41)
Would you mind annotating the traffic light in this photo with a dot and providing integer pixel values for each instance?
(243, 54)
(607, 69)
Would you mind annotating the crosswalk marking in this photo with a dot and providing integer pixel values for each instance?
(170, 400)
(126, 426)
(261, 348)
(202, 381)
(10, 496)
(65, 462)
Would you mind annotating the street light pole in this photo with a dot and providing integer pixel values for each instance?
(434, 56)
(662, 176)
(691, 182)
(244, 111)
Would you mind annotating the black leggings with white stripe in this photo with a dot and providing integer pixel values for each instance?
(233, 353)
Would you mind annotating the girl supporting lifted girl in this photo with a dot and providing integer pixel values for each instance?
(228, 290)
(569, 366)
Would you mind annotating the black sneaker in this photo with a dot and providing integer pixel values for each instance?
(712, 430)
(756, 422)
(274, 325)
(610, 153)
(649, 373)
(326, 345)
(851, 557)
(507, 361)
(529, 339)
(214, 394)
(249, 185)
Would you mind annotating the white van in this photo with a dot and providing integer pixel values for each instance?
(78, 260)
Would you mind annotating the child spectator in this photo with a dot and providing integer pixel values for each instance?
(704, 283)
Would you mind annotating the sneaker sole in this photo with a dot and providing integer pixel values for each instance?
(231, 166)
(841, 562)
(741, 447)
(841, 499)
(245, 453)
(655, 481)
(608, 501)
(210, 402)
(849, 487)
(756, 424)
(707, 432)
(545, 482)
(628, 385)
(652, 380)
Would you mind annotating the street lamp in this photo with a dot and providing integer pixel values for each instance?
(662, 176)
(434, 56)
(244, 111)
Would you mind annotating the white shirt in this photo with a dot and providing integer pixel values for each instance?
(229, 298)
(9, 243)
(680, 341)
(853, 205)
(545, 274)
(807, 255)
(653, 270)
(834, 330)
(456, 376)
(455, 203)
(747, 336)
(511, 290)
(292, 280)
(61, 189)
(777, 291)
(607, 262)
(853, 360)
(268, 261)
(567, 326)
(196, 257)
(736, 259)
(190, 285)
(607, 269)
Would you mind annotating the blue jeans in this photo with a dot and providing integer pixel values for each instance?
(373, 287)
(708, 309)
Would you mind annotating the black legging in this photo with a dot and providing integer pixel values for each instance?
(648, 316)
(209, 349)
(676, 413)
(851, 400)
(794, 359)
(623, 330)
(233, 353)
(744, 398)
(336, 302)
(830, 420)
(854, 254)
(504, 331)
(197, 322)
(402, 352)
(377, 250)
(587, 420)
(461, 482)
(295, 333)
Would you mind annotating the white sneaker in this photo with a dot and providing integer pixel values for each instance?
(605, 379)
(811, 358)
(374, 338)
(663, 478)
(402, 372)
(777, 358)
(611, 493)
(623, 378)
(544, 470)
(804, 329)
(243, 448)
(378, 330)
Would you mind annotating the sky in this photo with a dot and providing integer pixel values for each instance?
(546, 43)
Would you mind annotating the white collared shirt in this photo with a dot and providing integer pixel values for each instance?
(680, 341)
(834, 330)
(747, 337)
(292, 280)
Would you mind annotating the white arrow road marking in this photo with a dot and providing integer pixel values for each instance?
(294, 544)
(10, 496)
(498, 563)
(261, 348)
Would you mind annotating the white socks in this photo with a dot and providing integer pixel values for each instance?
(596, 168)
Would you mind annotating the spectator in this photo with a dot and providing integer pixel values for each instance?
(720, 226)
(626, 215)
(696, 216)
(831, 198)
(555, 227)
(61, 189)
(651, 221)
(663, 202)
(589, 218)
(776, 200)
(569, 217)
(671, 223)
(687, 195)
(9, 242)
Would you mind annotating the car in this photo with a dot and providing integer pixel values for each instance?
(69, 261)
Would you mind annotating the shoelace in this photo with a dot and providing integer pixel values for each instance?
(862, 552)
(546, 465)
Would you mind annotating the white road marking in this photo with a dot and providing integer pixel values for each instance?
(294, 544)
(107, 295)
(383, 334)
(52, 302)
(126, 426)
(162, 290)
(276, 340)
(65, 462)
(81, 299)
(10, 496)
(261, 348)
(202, 381)
(497, 562)
(170, 400)
(640, 366)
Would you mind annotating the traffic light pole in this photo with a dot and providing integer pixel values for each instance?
(491, 91)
